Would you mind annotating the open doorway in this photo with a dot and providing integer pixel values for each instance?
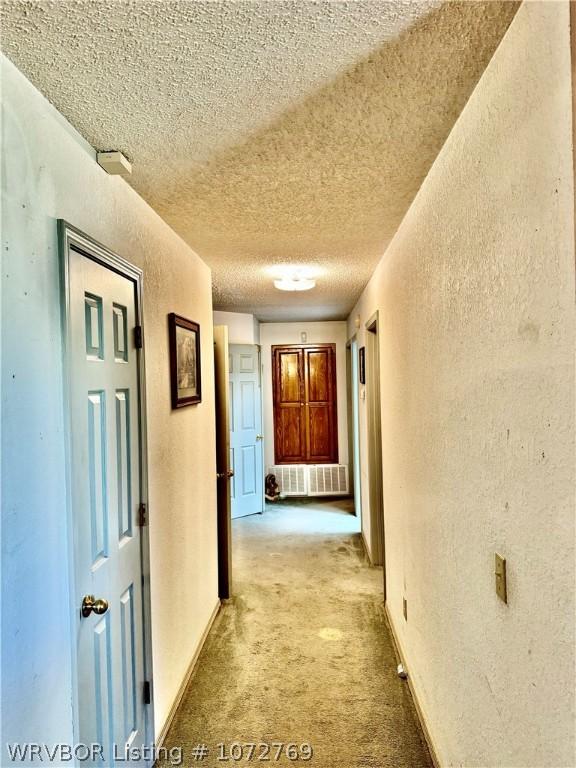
(375, 444)
(239, 460)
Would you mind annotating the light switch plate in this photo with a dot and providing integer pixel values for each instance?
(500, 576)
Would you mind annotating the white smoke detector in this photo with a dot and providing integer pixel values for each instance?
(114, 163)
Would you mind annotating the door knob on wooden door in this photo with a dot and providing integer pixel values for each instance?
(91, 605)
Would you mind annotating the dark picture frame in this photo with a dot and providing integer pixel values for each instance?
(185, 368)
(362, 365)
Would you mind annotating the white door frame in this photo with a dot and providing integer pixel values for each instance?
(354, 424)
(71, 238)
(375, 481)
(223, 476)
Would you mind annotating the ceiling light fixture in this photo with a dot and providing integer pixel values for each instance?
(295, 283)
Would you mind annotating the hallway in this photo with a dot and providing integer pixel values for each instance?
(302, 653)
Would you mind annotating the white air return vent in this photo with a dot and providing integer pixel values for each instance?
(327, 479)
(291, 479)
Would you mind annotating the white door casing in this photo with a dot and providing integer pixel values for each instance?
(356, 431)
(107, 494)
(246, 454)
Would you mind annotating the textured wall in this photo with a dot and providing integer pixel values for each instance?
(50, 173)
(476, 297)
(242, 328)
(318, 333)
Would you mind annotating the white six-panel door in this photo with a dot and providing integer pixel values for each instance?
(105, 497)
(246, 457)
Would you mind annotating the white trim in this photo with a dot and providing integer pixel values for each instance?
(187, 677)
(367, 549)
(418, 707)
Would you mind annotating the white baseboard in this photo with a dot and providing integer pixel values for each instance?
(366, 550)
(419, 711)
(187, 676)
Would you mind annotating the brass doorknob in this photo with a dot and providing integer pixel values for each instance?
(91, 605)
(259, 437)
(230, 473)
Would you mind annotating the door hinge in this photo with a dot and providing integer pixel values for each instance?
(147, 692)
(142, 515)
(138, 337)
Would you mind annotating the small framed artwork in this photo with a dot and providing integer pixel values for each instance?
(185, 380)
(362, 364)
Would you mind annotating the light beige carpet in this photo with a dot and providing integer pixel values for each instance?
(301, 654)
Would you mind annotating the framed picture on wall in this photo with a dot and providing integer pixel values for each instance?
(362, 365)
(185, 378)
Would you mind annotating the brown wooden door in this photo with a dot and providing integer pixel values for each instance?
(289, 423)
(305, 421)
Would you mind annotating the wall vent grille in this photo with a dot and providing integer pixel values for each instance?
(291, 478)
(311, 480)
(327, 479)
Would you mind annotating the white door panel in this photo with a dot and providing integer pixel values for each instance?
(245, 430)
(105, 489)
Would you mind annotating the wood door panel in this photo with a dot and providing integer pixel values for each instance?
(319, 433)
(318, 375)
(290, 377)
(305, 418)
(290, 434)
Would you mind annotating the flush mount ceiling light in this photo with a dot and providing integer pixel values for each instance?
(295, 283)
(293, 277)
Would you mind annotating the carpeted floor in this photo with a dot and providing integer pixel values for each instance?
(301, 654)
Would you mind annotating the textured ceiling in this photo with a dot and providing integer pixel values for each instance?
(265, 133)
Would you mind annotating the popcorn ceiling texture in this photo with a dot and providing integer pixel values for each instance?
(265, 133)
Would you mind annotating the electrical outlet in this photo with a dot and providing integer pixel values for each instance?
(500, 576)
(405, 608)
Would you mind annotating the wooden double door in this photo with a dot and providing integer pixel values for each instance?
(305, 416)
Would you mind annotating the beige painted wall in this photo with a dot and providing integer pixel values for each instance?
(333, 332)
(476, 300)
(51, 173)
(243, 328)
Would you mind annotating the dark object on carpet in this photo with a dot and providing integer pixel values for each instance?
(272, 489)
